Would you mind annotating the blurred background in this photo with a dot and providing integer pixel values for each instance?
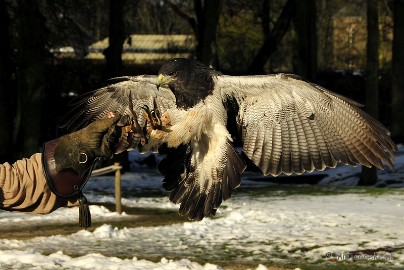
(52, 51)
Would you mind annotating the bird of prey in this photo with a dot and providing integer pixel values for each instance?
(193, 114)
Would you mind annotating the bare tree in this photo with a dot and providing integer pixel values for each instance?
(272, 37)
(397, 80)
(203, 22)
(369, 175)
(113, 53)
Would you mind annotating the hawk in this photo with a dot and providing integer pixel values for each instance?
(193, 114)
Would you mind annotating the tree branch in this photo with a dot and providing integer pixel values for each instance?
(182, 14)
(271, 42)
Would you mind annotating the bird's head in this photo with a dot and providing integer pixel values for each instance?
(190, 80)
(175, 72)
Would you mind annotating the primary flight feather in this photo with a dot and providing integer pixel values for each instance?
(286, 125)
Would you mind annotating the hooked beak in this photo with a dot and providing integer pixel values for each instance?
(164, 80)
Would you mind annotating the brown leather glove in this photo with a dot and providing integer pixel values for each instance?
(68, 160)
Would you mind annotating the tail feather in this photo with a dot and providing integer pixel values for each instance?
(199, 197)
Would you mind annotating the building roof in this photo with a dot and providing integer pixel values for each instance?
(148, 48)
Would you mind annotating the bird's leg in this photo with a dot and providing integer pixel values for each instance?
(153, 116)
(134, 126)
(158, 125)
(150, 123)
(156, 114)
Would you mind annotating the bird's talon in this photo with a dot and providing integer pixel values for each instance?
(157, 117)
(152, 116)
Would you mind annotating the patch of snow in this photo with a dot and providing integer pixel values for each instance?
(31, 259)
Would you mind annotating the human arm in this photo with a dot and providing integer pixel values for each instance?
(42, 183)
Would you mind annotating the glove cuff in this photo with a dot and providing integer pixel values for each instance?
(65, 182)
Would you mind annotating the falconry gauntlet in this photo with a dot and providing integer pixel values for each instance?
(68, 160)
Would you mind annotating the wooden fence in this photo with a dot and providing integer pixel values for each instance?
(116, 167)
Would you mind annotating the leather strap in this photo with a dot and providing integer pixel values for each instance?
(66, 183)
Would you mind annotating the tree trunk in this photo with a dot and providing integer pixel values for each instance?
(397, 80)
(369, 175)
(113, 54)
(31, 59)
(207, 13)
(6, 67)
(305, 63)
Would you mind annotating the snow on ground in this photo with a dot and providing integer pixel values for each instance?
(262, 223)
(58, 260)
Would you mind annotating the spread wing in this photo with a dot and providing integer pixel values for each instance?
(118, 97)
(124, 95)
(290, 126)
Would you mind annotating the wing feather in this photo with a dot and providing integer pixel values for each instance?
(303, 131)
(285, 156)
(274, 163)
(297, 163)
(291, 126)
(266, 152)
(322, 156)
